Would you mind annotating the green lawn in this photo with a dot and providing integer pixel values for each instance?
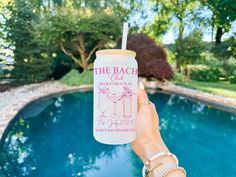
(223, 89)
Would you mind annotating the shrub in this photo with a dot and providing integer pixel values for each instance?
(159, 69)
(225, 68)
(188, 51)
(151, 58)
(75, 78)
(178, 77)
(226, 49)
(206, 74)
(232, 79)
(229, 67)
(61, 65)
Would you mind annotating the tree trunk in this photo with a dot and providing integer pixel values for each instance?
(181, 29)
(219, 34)
(180, 47)
(83, 61)
(85, 68)
(70, 54)
(185, 72)
(212, 27)
(178, 65)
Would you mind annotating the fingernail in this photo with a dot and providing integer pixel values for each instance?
(141, 86)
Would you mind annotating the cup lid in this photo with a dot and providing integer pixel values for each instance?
(115, 52)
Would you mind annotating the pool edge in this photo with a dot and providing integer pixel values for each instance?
(53, 88)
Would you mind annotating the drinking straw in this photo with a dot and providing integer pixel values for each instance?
(124, 36)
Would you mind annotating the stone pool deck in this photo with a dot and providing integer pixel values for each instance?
(13, 100)
(220, 102)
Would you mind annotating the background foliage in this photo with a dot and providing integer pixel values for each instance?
(49, 38)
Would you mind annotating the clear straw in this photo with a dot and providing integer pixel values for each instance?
(124, 36)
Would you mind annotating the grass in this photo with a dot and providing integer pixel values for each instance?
(219, 88)
(75, 78)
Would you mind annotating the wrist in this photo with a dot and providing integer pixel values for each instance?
(152, 147)
(146, 147)
(168, 162)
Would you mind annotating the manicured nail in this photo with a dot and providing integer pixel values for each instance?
(141, 86)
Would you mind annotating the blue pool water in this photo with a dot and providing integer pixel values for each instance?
(53, 137)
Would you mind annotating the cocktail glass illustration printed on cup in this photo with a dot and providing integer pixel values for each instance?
(127, 102)
(102, 101)
(115, 97)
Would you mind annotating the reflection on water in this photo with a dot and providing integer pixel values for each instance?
(53, 138)
(56, 142)
(198, 133)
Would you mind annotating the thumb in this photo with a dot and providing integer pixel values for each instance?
(142, 95)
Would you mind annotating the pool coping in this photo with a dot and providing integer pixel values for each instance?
(212, 100)
(12, 101)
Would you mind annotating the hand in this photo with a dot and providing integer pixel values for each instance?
(148, 138)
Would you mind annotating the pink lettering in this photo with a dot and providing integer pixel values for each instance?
(122, 71)
(107, 70)
(96, 70)
(116, 70)
(134, 71)
(102, 70)
(116, 73)
(127, 70)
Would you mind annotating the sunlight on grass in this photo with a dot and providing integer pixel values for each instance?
(223, 89)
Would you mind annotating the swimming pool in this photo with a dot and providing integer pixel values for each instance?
(52, 137)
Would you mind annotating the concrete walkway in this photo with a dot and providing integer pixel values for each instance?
(15, 99)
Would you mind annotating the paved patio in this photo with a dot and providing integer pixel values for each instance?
(15, 99)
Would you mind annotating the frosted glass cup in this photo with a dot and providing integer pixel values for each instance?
(115, 96)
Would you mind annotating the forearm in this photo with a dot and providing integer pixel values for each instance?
(167, 162)
(149, 145)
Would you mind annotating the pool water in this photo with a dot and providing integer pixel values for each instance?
(53, 137)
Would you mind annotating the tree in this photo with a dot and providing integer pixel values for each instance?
(78, 33)
(151, 58)
(174, 10)
(223, 14)
(21, 18)
(191, 51)
(31, 63)
(159, 27)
